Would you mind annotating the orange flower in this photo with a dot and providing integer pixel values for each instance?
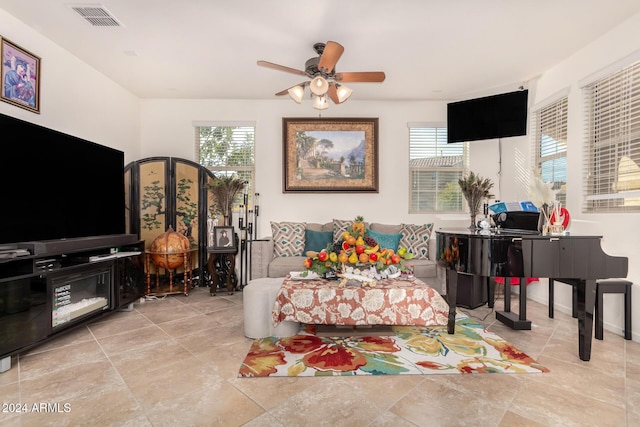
(263, 361)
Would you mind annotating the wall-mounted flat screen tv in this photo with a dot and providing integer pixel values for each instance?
(57, 186)
(490, 117)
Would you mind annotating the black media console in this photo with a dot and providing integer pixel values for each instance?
(48, 287)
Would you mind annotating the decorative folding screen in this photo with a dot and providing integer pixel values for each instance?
(166, 191)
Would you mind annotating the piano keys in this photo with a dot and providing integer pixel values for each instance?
(574, 259)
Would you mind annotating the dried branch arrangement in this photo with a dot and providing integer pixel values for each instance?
(475, 189)
(224, 190)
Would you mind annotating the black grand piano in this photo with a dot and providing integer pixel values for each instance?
(575, 259)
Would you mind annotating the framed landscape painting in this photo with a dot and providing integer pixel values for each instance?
(20, 76)
(330, 155)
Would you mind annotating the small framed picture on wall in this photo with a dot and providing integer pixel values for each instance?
(20, 76)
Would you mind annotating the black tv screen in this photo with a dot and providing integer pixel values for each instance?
(57, 186)
(497, 116)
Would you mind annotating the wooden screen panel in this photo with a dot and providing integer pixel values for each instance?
(187, 205)
(187, 201)
(153, 199)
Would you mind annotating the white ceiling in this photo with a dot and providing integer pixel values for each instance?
(429, 49)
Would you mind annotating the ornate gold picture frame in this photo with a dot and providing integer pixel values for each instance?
(20, 76)
(330, 155)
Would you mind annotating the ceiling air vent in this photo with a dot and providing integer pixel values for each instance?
(97, 15)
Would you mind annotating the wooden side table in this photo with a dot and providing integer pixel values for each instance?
(221, 263)
(188, 273)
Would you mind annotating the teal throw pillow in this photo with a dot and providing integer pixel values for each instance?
(388, 241)
(316, 240)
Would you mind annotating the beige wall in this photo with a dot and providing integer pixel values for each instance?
(621, 232)
(74, 98)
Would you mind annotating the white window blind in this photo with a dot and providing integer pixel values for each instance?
(227, 149)
(612, 142)
(549, 131)
(434, 170)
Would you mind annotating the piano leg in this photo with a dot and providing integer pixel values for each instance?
(507, 295)
(514, 320)
(452, 296)
(586, 303)
(491, 290)
(523, 300)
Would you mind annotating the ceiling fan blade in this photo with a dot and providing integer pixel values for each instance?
(364, 77)
(281, 68)
(333, 93)
(286, 91)
(332, 52)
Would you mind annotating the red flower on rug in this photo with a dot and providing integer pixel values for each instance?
(334, 356)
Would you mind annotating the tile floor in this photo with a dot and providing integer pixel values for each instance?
(173, 362)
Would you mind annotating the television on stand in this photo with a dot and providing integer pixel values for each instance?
(57, 186)
(61, 223)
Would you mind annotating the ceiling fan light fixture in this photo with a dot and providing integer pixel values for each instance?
(320, 102)
(319, 85)
(343, 92)
(320, 70)
(296, 93)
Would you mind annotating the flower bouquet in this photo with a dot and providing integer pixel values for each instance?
(357, 256)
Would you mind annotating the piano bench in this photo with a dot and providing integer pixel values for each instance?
(613, 286)
(574, 298)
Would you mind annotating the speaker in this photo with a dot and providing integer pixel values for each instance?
(472, 291)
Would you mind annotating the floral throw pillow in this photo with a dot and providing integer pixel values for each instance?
(288, 238)
(416, 239)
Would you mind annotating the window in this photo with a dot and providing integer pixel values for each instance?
(227, 149)
(549, 130)
(612, 142)
(434, 170)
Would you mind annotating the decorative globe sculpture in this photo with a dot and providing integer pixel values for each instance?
(168, 249)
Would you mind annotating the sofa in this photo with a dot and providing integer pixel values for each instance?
(284, 250)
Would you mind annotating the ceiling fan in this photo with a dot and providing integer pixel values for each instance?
(325, 81)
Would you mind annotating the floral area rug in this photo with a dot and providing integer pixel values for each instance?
(417, 350)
